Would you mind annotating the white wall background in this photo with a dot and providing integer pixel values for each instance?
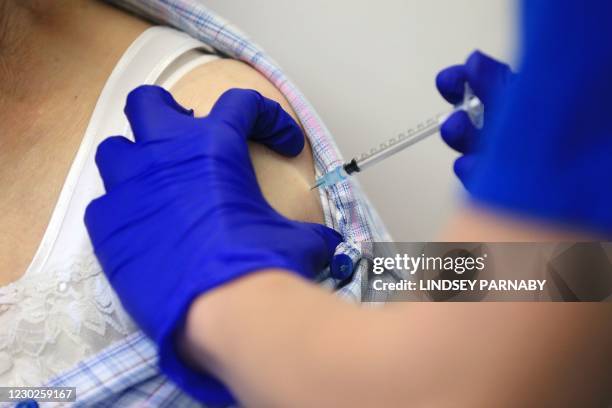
(368, 67)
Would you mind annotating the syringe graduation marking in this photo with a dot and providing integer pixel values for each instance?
(470, 104)
(400, 137)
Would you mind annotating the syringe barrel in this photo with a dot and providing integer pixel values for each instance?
(470, 104)
(398, 144)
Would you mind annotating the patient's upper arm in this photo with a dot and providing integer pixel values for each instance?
(285, 182)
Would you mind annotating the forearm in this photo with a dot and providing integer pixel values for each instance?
(474, 223)
(277, 341)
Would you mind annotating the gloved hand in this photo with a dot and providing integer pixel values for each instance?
(548, 151)
(183, 213)
(488, 79)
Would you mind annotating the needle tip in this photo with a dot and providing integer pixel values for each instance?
(318, 184)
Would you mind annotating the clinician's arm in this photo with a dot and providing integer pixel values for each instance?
(546, 158)
(299, 346)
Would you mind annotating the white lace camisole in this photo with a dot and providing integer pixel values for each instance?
(62, 309)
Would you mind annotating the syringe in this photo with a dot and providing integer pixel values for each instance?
(470, 104)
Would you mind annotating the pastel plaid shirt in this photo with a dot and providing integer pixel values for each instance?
(126, 373)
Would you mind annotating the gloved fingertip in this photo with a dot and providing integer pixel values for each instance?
(463, 167)
(485, 74)
(153, 96)
(478, 61)
(113, 156)
(239, 97)
(475, 56)
(291, 145)
(285, 136)
(109, 148)
(260, 119)
(450, 82)
(238, 106)
(90, 214)
(341, 266)
(455, 124)
(458, 131)
(151, 110)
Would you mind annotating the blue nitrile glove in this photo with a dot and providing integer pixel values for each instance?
(183, 213)
(487, 78)
(548, 154)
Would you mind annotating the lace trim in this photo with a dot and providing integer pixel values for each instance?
(53, 319)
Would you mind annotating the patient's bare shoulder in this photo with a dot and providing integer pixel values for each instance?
(285, 182)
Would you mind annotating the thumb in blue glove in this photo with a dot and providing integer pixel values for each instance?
(488, 79)
(183, 213)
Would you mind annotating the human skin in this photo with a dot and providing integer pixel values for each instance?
(328, 353)
(406, 354)
(421, 355)
(54, 60)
